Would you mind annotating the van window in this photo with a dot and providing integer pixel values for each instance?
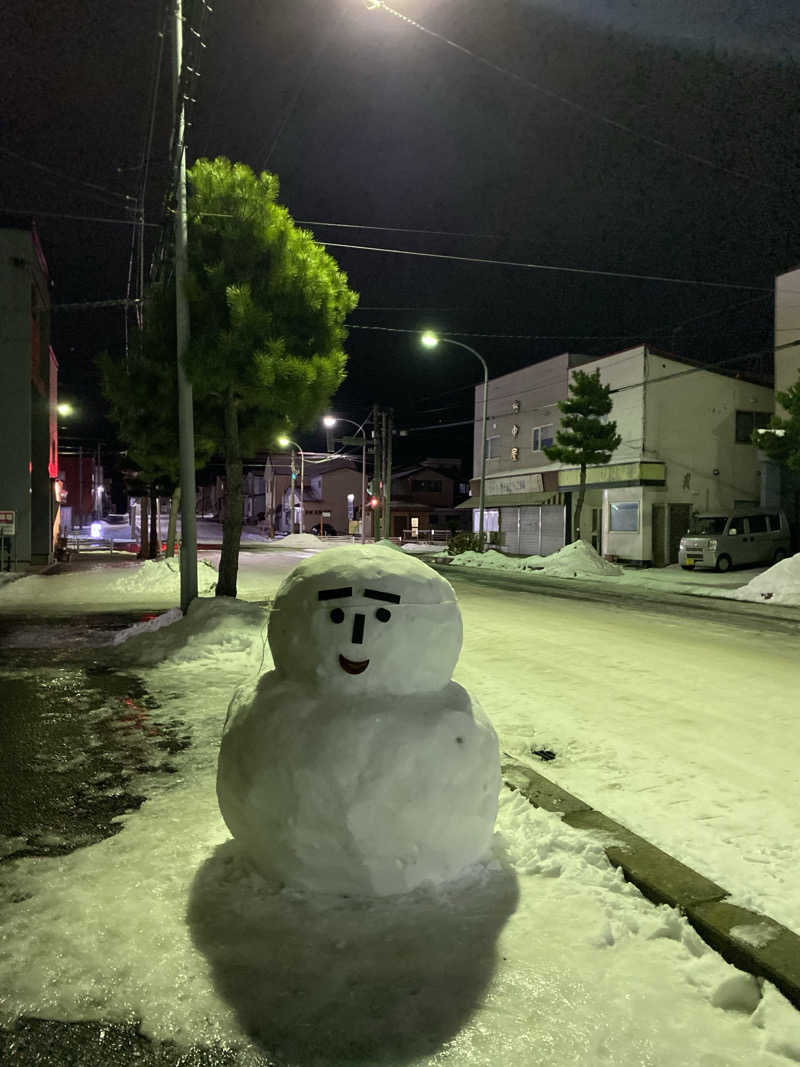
(758, 523)
(703, 525)
(774, 522)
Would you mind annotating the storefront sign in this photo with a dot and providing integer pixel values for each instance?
(7, 521)
(615, 473)
(514, 483)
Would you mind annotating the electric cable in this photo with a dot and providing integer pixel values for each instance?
(586, 111)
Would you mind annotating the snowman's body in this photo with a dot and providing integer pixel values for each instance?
(357, 766)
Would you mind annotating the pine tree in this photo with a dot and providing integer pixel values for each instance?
(142, 394)
(583, 437)
(267, 307)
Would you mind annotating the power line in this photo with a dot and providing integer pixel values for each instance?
(408, 229)
(66, 177)
(63, 215)
(588, 112)
(548, 267)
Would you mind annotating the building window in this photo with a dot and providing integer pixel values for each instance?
(425, 485)
(624, 516)
(747, 422)
(493, 447)
(542, 437)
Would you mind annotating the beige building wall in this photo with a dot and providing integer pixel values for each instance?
(787, 332)
(690, 423)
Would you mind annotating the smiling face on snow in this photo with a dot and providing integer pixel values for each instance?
(338, 616)
(359, 621)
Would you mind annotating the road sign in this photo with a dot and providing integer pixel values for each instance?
(7, 521)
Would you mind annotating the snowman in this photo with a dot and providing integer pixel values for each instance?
(357, 766)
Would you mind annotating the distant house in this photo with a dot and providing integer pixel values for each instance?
(424, 500)
(685, 448)
(28, 398)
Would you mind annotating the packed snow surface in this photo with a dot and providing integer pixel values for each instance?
(357, 766)
(542, 955)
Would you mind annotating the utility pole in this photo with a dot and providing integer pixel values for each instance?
(387, 482)
(185, 413)
(377, 471)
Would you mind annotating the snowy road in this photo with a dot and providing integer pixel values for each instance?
(683, 730)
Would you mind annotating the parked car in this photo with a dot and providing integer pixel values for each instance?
(324, 529)
(733, 539)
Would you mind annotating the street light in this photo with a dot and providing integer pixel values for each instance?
(329, 421)
(285, 442)
(431, 340)
(64, 409)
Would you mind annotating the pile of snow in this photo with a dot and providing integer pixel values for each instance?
(779, 585)
(578, 560)
(162, 575)
(301, 540)
(422, 548)
(212, 627)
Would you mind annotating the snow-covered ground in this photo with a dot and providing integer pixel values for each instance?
(543, 955)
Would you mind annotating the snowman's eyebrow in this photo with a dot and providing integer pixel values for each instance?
(332, 594)
(374, 594)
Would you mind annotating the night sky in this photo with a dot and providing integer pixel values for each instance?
(629, 136)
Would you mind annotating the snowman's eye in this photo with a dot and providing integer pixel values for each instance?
(337, 615)
(383, 614)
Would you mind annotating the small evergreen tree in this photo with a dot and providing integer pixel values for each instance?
(583, 437)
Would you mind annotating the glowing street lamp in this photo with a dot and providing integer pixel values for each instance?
(431, 340)
(64, 409)
(329, 421)
(285, 442)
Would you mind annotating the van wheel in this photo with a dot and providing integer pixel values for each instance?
(724, 564)
(780, 554)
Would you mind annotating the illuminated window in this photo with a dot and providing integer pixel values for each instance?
(624, 516)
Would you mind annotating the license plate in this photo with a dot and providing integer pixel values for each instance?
(689, 562)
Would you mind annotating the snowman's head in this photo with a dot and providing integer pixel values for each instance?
(364, 619)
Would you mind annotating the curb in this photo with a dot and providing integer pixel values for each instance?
(769, 950)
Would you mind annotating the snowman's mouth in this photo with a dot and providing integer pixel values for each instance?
(353, 666)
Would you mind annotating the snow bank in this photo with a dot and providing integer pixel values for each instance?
(578, 560)
(213, 626)
(779, 585)
(491, 559)
(300, 540)
(162, 575)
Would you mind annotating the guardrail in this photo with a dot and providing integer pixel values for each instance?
(426, 535)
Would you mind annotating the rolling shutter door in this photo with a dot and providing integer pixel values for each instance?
(552, 527)
(529, 532)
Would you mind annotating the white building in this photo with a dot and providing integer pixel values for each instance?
(685, 448)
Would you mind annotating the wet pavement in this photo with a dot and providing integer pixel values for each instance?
(74, 735)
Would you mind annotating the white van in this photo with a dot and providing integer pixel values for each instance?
(746, 537)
